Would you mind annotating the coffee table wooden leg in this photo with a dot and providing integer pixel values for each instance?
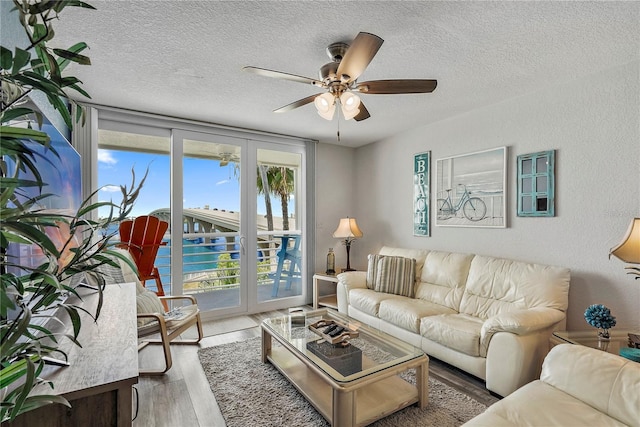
(266, 345)
(422, 383)
(343, 408)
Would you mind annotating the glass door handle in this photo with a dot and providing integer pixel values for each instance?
(242, 240)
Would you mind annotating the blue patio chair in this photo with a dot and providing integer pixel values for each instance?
(290, 270)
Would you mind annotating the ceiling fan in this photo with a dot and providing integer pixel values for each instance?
(225, 158)
(339, 78)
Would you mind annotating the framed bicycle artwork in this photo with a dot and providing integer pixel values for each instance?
(471, 189)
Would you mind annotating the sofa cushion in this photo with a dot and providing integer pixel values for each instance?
(497, 285)
(368, 300)
(443, 278)
(456, 331)
(407, 312)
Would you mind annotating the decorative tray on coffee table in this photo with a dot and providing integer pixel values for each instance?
(333, 332)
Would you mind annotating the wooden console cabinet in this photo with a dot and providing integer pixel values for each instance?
(98, 384)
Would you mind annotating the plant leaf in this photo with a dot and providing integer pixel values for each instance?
(20, 59)
(6, 58)
(76, 48)
(73, 56)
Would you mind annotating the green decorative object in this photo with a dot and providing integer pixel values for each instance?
(630, 353)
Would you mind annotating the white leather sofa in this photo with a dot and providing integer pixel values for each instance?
(578, 386)
(491, 317)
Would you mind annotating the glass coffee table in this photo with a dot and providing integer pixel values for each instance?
(352, 385)
(618, 340)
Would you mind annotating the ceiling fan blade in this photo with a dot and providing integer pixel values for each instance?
(296, 104)
(359, 55)
(280, 75)
(397, 86)
(363, 114)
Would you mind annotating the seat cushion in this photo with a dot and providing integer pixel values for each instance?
(368, 300)
(407, 312)
(456, 331)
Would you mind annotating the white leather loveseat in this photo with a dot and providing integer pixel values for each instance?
(491, 317)
(578, 386)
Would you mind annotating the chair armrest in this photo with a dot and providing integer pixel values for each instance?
(148, 326)
(519, 322)
(179, 297)
(155, 316)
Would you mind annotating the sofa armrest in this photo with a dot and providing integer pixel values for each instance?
(605, 381)
(519, 322)
(346, 282)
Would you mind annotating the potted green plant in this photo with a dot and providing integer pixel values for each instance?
(82, 246)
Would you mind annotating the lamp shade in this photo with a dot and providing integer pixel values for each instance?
(350, 104)
(347, 229)
(325, 104)
(629, 249)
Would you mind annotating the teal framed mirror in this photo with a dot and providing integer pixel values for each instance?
(536, 184)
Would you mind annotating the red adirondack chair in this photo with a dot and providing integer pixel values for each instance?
(143, 237)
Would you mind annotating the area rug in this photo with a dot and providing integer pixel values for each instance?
(252, 393)
(222, 326)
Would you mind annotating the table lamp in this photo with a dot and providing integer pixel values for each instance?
(629, 249)
(349, 231)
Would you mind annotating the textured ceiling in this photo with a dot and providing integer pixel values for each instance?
(185, 58)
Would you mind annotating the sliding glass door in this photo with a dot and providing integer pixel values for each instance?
(235, 207)
(208, 231)
(239, 243)
(279, 231)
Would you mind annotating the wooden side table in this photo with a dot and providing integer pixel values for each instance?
(98, 383)
(330, 300)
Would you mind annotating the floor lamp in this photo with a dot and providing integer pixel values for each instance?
(629, 249)
(347, 230)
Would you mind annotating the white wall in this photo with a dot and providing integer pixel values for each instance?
(594, 125)
(335, 178)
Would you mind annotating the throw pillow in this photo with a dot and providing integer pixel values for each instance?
(372, 268)
(396, 275)
(148, 302)
(109, 273)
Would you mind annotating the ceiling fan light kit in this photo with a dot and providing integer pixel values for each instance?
(325, 104)
(350, 104)
(339, 77)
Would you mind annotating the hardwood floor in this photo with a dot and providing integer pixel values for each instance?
(182, 396)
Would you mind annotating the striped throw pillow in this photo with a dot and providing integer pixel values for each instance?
(372, 269)
(395, 275)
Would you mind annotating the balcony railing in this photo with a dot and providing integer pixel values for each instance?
(211, 261)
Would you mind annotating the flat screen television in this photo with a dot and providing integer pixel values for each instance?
(63, 177)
